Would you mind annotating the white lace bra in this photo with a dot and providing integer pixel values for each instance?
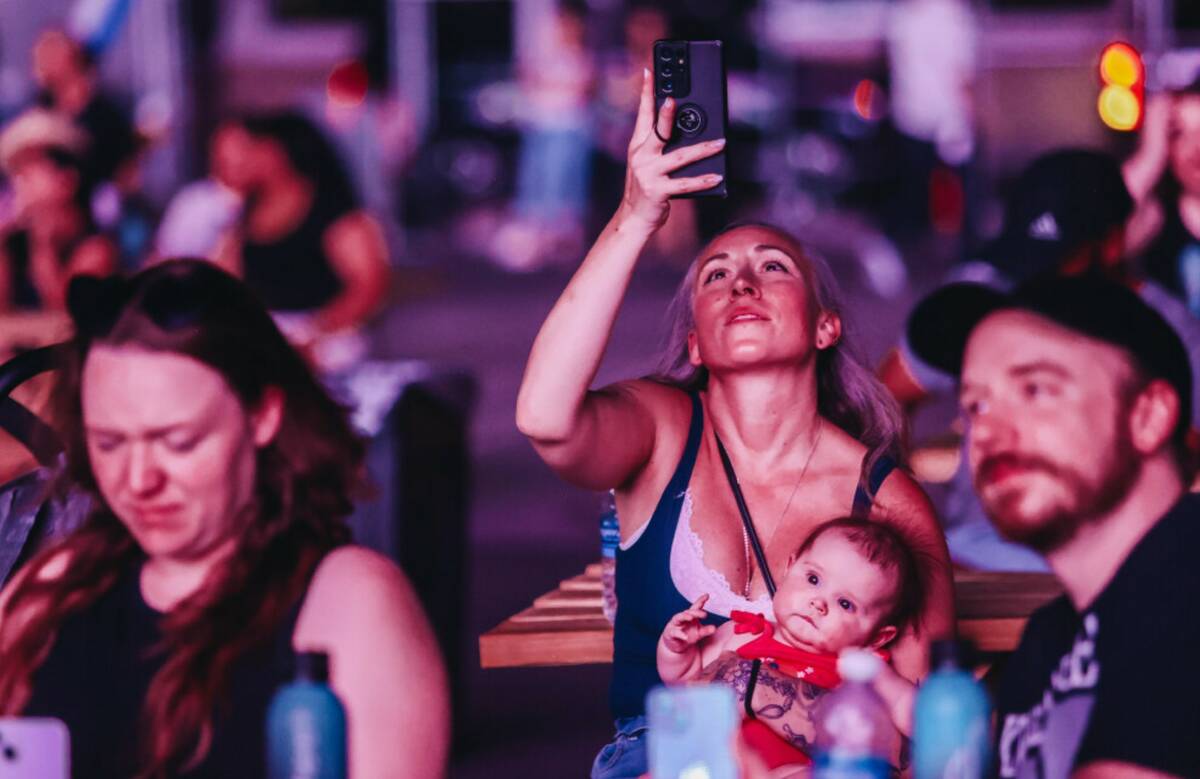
(693, 578)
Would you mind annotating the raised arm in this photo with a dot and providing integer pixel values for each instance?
(600, 440)
(1143, 169)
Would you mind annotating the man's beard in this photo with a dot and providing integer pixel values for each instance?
(1090, 498)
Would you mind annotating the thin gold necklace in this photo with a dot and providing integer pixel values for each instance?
(788, 505)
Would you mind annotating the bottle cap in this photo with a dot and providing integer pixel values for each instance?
(312, 666)
(949, 652)
(858, 665)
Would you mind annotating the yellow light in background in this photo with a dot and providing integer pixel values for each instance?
(1119, 107)
(1123, 86)
(1120, 65)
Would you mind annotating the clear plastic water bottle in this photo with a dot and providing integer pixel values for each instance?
(306, 725)
(951, 719)
(610, 539)
(855, 735)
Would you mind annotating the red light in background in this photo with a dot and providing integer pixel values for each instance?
(347, 84)
(865, 99)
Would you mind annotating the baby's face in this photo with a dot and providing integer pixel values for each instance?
(833, 597)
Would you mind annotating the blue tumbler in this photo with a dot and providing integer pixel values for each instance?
(306, 725)
(951, 720)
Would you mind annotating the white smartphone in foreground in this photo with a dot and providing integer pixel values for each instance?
(33, 748)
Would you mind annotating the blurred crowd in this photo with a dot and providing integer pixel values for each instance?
(278, 207)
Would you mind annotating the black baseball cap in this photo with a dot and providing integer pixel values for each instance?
(1099, 308)
(1062, 201)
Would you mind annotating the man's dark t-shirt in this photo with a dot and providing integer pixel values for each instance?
(1120, 681)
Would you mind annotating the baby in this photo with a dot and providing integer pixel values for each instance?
(852, 583)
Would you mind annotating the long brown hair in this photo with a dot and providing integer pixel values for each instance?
(304, 481)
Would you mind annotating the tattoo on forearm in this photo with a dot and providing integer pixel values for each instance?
(788, 698)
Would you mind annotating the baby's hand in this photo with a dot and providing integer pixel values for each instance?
(685, 629)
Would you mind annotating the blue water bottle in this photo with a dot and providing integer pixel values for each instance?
(610, 539)
(306, 725)
(951, 719)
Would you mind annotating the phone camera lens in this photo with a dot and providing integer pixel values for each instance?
(666, 71)
(666, 55)
(668, 86)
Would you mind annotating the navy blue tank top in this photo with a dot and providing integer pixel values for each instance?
(646, 595)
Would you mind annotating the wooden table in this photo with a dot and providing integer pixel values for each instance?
(566, 626)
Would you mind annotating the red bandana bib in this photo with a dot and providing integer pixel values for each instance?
(813, 667)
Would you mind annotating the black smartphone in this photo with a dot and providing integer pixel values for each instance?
(692, 73)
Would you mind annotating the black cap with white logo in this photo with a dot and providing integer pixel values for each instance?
(1061, 202)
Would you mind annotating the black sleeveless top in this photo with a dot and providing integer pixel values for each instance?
(646, 594)
(293, 272)
(97, 673)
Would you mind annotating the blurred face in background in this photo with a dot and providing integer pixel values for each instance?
(1185, 142)
(568, 30)
(267, 161)
(56, 59)
(41, 184)
(643, 27)
(229, 155)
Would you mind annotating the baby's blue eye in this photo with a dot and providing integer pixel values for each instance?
(846, 605)
(812, 579)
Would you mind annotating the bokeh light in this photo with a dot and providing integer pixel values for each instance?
(1120, 65)
(347, 84)
(1119, 108)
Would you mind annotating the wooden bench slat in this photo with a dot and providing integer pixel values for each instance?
(566, 626)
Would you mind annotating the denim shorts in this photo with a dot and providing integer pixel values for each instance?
(625, 756)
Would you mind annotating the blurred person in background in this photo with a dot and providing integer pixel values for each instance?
(1066, 215)
(204, 212)
(65, 72)
(220, 475)
(303, 243)
(758, 357)
(50, 235)
(932, 63)
(645, 23)
(1163, 176)
(557, 75)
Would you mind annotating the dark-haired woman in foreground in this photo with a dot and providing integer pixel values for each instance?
(758, 358)
(221, 475)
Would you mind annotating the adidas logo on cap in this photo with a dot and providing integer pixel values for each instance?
(1045, 228)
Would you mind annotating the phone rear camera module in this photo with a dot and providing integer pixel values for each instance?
(690, 119)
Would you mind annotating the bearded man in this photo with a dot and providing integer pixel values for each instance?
(1077, 397)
